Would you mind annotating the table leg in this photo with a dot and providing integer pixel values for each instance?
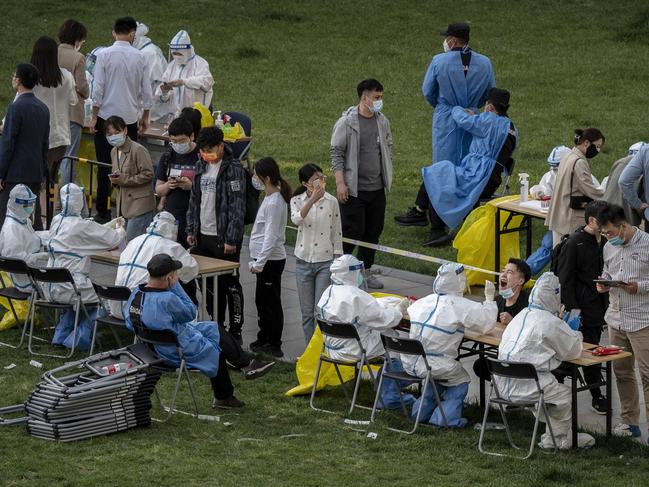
(609, 401)
(497, 245)
(528, 238)
(482, 384)
(574, 405)
(215, 297)
(203, 313)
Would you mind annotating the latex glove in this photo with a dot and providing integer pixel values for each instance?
(489, 291)
(574, 323)
(115, 223)
(403, 307)
(121, 231)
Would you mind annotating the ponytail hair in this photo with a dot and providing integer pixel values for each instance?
(305, 173)
(268, 168)
(591, 134)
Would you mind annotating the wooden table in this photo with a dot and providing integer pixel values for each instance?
(514, 208)
(587, 359)
(208, 268)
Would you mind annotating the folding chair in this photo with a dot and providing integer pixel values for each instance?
(346, 331)
(54, 275)
(167, 337)
(16, 267)
(407, 346)
(514, 371)
(240, 149)
(508, 170)
(109, 293)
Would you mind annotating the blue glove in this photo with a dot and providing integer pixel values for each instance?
(574, 323)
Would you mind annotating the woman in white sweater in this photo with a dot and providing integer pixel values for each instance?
(267, 249)
(319, 240)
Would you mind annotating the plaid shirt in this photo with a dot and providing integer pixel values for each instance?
(628, 263)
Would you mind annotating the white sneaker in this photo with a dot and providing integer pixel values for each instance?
(372, 282)
(584, 440)
(623, 429)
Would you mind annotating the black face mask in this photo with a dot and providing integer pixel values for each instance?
(591, 151)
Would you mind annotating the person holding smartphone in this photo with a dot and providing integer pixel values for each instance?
(579, 263)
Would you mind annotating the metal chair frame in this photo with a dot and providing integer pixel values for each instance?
(19, 267)
(107, 293)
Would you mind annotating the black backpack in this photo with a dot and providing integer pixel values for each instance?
(556, 254)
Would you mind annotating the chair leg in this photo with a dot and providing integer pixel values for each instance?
(537, 420)
(484, 424)
(191, 391)
(22, 335)
(548, 422)
(31, 329)
(416, 425)
(313, 390)
(342, 383)
(172, 404)
(438, 399)
(92, 341)
(378, 395)
(359, 368)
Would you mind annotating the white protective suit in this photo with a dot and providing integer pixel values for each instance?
(193, 70)
(538, 336)
(344, 302)
(438, 321)
(18, 240)
(72, 241)
(160, 238)
(156, 63)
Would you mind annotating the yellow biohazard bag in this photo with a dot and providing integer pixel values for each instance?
(307, 363)
(233, 133)
(207, 120)
(475, 240)
(8, 319)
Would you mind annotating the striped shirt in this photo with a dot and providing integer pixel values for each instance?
(628, 263)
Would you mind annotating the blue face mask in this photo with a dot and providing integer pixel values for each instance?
(116, 140)
(506, 293)
(181, 148)
(617, 240)
(29, 210)
(377, 106)
(359, 279)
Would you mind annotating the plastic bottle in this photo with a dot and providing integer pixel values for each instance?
(525, 186)
(111, 369)
(218, 120)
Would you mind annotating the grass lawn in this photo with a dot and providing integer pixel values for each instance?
(293, 66)
(253, 449)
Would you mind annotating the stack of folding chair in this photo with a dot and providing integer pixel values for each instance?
(83, 399)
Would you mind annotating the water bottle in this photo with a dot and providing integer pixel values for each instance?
(111, 369)
(525, 186)
(218, 120)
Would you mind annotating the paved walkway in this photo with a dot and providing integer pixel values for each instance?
(396, 281)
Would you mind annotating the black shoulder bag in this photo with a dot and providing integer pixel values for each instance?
(577, 202)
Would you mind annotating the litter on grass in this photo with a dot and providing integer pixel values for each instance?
(372, 436)
(355, 421)
(36, 364)
(10, 366)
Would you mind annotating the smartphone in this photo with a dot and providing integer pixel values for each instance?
(609, 283)
(173, 179)
(317, 184)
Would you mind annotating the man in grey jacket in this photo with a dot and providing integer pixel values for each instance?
(636, 170)
(361, 159)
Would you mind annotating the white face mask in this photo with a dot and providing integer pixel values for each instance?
(257, 183)
(180, 58)
(445, 45)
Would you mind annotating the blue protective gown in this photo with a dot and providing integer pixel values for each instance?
(171, 309)
(454, 190)
(445, 86)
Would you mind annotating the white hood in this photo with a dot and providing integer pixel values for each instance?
(141, 39)
(19, 196)
(546, 294)
(71, 200)
(164, 224)
(181, 43)
(558, 153)
(346, 269)
(451, 279)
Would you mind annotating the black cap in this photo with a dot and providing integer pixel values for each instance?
(459, 30)
(499, 97)
(162, 264)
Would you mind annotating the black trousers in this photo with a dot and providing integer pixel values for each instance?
(102, 151)
(230, 293)
(268, 299)
(4, 200)
(362, 219)
(230, 352)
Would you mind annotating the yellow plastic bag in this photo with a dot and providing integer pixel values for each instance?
(8, 320)
(475, 240)
(307, 363)
(207, 120)
(232, 134)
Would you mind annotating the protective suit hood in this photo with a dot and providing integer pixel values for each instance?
(546, 294)
(346, 270)
(141, 39)
(181, 43)
(71, 200)
(557, 154)
(451, 279)
(19, 196)
(164, 224)
(635, 148)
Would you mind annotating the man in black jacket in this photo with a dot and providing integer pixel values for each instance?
(25, 141)
(215, 219)
(579, 263)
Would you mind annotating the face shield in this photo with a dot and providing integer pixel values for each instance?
(21, 202)
(348, 270)
(180, 48)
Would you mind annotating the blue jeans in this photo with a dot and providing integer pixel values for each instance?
(312, 280)
(73, 148)
(83, 337)
(137, 226)
(390, 389)
(452, 398)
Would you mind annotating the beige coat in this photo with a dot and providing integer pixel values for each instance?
(135, 189)
(75, 62)
(561, 218)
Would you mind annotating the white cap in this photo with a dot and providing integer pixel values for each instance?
(558, 153)
(635, 148)
(345, 270)
(164, 224)
(451, 279)
(546, 294)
